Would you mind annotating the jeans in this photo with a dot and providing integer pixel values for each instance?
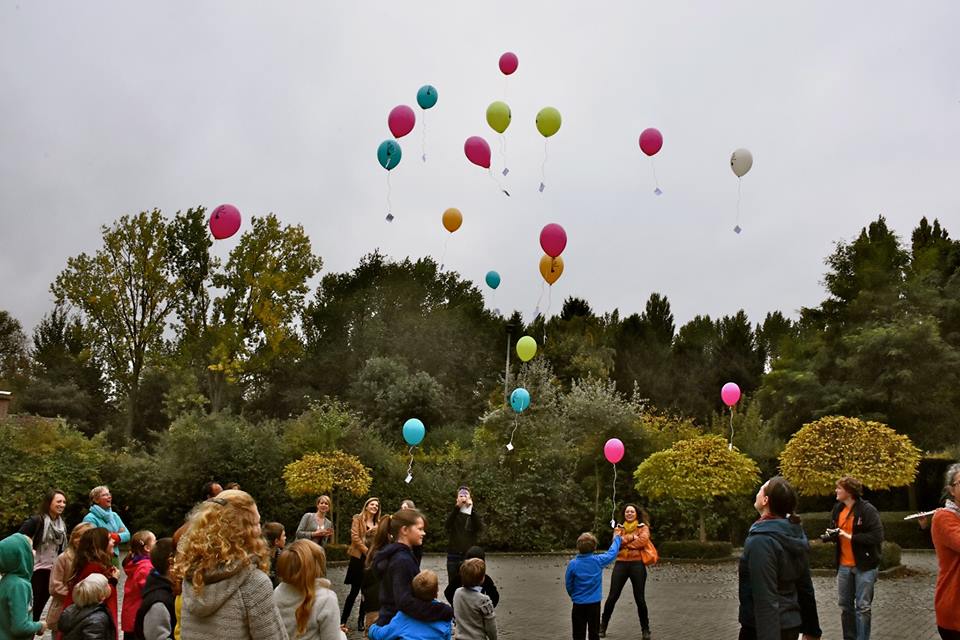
(855, 589)
(586, 616)
(636, 572)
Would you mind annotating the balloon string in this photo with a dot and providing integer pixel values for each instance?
(656, 183)
(536, 311)
(613, 514)
(543, 167)
(739, 184)
(731, 429)
(389, 205)
(503, 151)
(410, 466)
(423, 146)
(516, 423)
(497, 182)
(443, 258)
(506, 83)
(546, 314)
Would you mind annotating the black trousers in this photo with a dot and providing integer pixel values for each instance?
(948, 634)
(348, 603)
(636, 573)
(454, 560)
(41, 591)
(749, 633)
(586, 617)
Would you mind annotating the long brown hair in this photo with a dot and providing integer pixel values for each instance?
(389, 527)
(301, 565)
(48, 500)
(91, 548)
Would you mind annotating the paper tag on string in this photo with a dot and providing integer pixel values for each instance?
(389, 217)
(424, 157)
(613, 524)
(509, 446)
(658, 191)
(737, 229)
(542, 187)
(506, 171)
(408, 478)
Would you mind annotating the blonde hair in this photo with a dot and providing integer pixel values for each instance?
(91, 590)
(301, 565)
(97, 491)
(425, 585)
(223, 530)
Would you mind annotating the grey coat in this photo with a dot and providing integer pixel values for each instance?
(476, 619)
(308, 526)
(236, 602)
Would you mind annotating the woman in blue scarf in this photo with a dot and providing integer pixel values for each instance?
(101, 514)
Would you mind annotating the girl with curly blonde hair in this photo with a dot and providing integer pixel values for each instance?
(307, 604)
(222, 559)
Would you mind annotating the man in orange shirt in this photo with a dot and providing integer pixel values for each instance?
(856, 528)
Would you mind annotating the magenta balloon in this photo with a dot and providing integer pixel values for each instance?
(224, 221)
(478, 151)
(613, 450)
(730, 394)
(553, 240)
(401, 120)
(508, 63)
(651, 141)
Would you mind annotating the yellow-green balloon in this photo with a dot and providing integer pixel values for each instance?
(526, 348)
(548, 121)
(498, 116)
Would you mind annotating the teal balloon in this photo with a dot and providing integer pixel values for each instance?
(413, 431)
(493, 279)
(389, 154)
(520, 399)
(427, 96)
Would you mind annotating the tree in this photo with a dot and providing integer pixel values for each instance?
(644, 357)
(125, 293)
(824, 451)
(697, 471)
(388, 393)
(13, 349)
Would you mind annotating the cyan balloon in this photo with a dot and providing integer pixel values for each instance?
(426, 96)
(388, 154)
(413, 431)
(520, 399)
(493, 279)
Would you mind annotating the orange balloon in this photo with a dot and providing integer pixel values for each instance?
(452, 219)
(551, 268)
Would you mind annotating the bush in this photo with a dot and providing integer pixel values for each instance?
(824, 555)
(337, 552)
(905, 533)
(694, 549)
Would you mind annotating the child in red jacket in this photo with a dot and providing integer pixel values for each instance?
(137, 566)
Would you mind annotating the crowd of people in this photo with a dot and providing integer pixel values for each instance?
(225, 574)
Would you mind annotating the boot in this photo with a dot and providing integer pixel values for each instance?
(603, 629)
(646, 635)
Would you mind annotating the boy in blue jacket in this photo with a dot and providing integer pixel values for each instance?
(585, 583)
(425, 586)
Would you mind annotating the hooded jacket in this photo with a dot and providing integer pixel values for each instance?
(867, 536)
(157, 616)
(324, 621)
(398, 567)
(776, 591)
(137, 570)
(403, 626)
(87, 623)
(236, 602)
(16, 593)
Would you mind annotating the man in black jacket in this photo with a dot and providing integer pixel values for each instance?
(463, 530)
(856, 529)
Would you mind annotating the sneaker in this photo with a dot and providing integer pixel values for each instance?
(603, 630)
(646, 635)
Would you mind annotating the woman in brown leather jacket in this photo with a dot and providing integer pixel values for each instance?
(629, 566)
(361, 531)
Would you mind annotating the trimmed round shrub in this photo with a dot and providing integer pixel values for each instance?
(694, 549)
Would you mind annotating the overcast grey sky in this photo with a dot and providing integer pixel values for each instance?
(850, 109)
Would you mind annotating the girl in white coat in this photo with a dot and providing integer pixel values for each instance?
(307, 605)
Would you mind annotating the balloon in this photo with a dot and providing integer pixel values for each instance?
(498, 116)
(478, 151)
(730, 394)
(551, 268)
(426, 96)
(740, 161)
(520, 399)
(401, 120)
(508, 63)
(613, 450)
(452, 219)
(548, 121)
(651, 141)
(553, 239)
(413, 431)
(389, 154)
(526, 348)
(493, 279)
(224, 221)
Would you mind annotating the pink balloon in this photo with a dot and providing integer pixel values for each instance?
(553, 240)
(651, 141)
(224, 221)
(508, 63)
(401, 120)
(613, 450)
(730, 394)
(478, 151)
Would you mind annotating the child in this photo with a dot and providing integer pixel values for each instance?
(276, 537)
(137, 566)
(488, 588)
(157, 618)
(426, 587)
(60, 575)
(88, 618)
(307, 604)
(95, 555)
(16, 592)
(473, 610)
(585, 583)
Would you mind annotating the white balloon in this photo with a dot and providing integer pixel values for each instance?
(740, 161)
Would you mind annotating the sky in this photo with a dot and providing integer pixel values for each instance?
(850, 109)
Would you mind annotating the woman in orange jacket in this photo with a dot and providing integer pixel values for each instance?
(361, 532)
(630, 566)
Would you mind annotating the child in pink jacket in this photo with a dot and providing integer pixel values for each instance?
(137, 566)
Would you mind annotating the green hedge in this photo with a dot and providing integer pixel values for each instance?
(906, 533)
(694, 549)
(336, 552)
(823, 555)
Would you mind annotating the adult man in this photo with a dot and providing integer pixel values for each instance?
(856, 529)
(463, 529)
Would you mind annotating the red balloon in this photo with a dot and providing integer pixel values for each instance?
(651, 141)
(401, 120)
(224, 221)
(508, 63)
(478, 151)
(553, 240)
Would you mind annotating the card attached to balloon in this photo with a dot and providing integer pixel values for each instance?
(509, 446)
(542, 187)
(658, 191)
(408, 478)
(506, 171)
(389, 217)
(613, 524)
(737, 229)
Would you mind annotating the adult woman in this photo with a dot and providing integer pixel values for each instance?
(946, 539)
(95, 555)
(777, 601)
(60, 574)
(396, 537)
(463, 529)
(361, 534)
(629, 566)
(101, 514)
(222, 560)
(315, 525)
(49, 535)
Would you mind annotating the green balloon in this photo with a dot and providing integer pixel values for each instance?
(498, 116)
(526, 348)
(548, 121)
